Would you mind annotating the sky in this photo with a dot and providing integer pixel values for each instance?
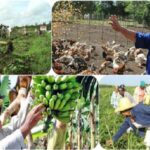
(129, 80)
(24, 12)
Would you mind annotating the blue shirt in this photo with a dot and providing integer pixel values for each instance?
(141, 114)
(143, 41)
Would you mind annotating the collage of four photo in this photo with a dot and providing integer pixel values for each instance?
(74, 74)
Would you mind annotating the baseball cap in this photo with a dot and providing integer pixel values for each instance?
(142, 84)
(121, 87)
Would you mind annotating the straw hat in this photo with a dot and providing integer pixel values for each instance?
(147, 99)
(124, 104)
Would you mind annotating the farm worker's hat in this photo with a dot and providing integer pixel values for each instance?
(147, 99)
(142, 84)
(124, 104)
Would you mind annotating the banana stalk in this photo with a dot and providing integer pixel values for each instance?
(92, 114)
(70, 135)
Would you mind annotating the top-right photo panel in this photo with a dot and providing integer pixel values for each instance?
(101, 37)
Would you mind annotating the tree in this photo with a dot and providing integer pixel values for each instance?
(139, 11)
(120, 8)
(87, 7)
(108, 8)
(146, 16)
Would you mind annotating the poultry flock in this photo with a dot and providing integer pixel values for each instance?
(73, 57)
(117, 59)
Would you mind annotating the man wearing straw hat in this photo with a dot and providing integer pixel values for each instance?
(141, 40)
(137, 117)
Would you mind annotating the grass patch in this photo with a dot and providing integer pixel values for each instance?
(31, 55)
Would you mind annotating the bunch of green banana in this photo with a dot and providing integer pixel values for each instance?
(60, 95)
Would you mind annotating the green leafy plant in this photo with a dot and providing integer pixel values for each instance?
(5, 85)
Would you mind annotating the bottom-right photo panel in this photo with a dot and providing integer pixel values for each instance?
(125, 112)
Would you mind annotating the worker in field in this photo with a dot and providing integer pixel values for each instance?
(120, 92)
(141, 40)
(137, 117)
(123, 93)
(140, 92)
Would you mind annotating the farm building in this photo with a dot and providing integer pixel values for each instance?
(24, 30)
(43, 27)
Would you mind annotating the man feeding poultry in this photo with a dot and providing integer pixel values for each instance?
(141, 40)
(137, 117)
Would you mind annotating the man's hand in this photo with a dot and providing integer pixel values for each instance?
(32, 119)
(109, 142)
(114, 23)
(129, 34)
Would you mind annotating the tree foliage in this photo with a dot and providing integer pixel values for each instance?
(137, 10)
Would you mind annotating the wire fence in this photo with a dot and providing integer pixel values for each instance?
(95, 29)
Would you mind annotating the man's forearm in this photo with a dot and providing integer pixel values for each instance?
(129, 34)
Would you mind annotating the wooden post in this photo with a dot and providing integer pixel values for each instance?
(79, 130)
(92, 113)
(92, 123)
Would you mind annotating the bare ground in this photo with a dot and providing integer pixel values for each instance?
(98, 35)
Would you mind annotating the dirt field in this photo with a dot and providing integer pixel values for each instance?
(98, 35)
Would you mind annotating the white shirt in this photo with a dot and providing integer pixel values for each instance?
(115, 99)
(17, 120)
(14, 141)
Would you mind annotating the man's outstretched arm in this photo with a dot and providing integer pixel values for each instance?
(129, 34)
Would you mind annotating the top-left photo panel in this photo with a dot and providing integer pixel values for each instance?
(25, 37)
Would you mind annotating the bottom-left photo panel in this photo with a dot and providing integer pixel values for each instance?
(49, 112)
